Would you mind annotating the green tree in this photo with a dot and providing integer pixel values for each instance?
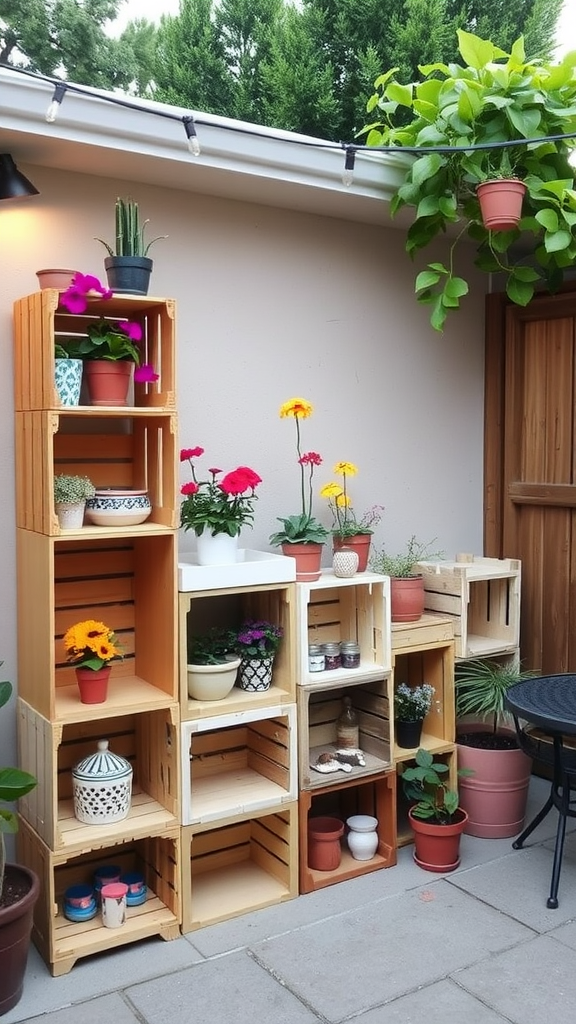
(190, 67)
(247, 30)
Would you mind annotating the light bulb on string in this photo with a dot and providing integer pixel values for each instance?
(348, 173)
(54, 107)
(190, 129)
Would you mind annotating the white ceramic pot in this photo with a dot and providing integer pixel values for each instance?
(345, 562)
(362, 836)
(255, 674)
(212, 682)
(102, 787)
(70, 515)
(111, 507)
(216, 549)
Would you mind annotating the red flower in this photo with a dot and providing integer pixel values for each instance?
(310, 459)
(235, 482)
(190, 488)
(214, 471)
(190, 453)
(252, 478)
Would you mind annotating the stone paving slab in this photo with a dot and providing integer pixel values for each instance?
(440, 1003)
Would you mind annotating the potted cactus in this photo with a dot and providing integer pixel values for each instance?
(128, 266)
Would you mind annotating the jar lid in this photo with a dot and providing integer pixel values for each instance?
(331, 648)
(362, 822)
(114, 890)
(103, 766)
(349, 645)
(315, 648)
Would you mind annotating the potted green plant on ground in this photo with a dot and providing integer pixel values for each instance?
(495, 115)
(495, 795)
(257, 643)
(406, 583)
(70, 493)
(349, 531)
(19, 886)
(435, 814)
(128, 266)
(411, 705)
(213, 664)
(302, 536)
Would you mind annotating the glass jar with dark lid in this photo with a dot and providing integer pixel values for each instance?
(332, 656)
(350, 654)
(316, 659)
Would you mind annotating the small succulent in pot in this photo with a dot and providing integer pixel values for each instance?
(70, 489)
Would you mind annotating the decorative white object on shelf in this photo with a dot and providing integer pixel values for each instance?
(111, 507)
(102, 787)
(345, 562)
(362, 836)
(251, 569)
(255, 673)
(216, 548)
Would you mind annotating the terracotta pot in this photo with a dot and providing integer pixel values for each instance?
(108, 382)
(437, 847)
(324, 850)
(495, 796)
(406, 598)
(93, 686)
(360, 543)
(308, 558)
(15, 931)
(501, 203)
(61, 279)
(408, 734)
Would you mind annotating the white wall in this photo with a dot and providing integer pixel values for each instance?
(272, 304)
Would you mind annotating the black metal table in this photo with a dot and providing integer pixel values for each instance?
(549, 703)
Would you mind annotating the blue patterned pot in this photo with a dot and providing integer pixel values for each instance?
(68, 380)
(111, 507)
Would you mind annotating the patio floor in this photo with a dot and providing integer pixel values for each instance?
(396, 946)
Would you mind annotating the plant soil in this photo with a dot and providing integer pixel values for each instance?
(14, 890)
(487, 740)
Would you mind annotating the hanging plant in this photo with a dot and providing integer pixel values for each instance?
(495, 116)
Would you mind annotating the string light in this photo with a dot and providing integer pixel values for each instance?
(348, 174)
(190, 129)
(54, 107)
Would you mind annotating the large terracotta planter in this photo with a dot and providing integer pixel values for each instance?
(308, 559)
(406, 598)
(108, 382)
(15, 931)
(495, 796)
(501, 203)
(437, 847)
(360, 543)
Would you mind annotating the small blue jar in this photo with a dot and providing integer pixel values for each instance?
(80, 903)
(104, 875)
(137, 890)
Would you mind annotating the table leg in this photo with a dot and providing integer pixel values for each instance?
(519, 842)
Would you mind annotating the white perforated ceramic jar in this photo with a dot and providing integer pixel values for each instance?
(102, 787)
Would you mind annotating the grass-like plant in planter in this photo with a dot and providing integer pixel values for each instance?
(521, 115)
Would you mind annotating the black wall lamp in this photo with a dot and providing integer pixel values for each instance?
(13, 184)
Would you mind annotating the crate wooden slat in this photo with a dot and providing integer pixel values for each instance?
(150, 742)
(62, 942)
(128, 583)
(334, 609)
(427, 631)
(375, 796)
(275, 602)
(238, 763)
(239, 867)
(482, 597)
(318, 711)
(38, 323)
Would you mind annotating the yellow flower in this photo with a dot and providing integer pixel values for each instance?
(85, 634)
(91, 644)
(343, 500)
(331, 490)
(298, 407)
(346, 468)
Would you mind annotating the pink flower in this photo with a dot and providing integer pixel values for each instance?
(192, 453)
(214, 470)
(251, 477)
(310, 459)
(134, 331)
(234, 483)
(145, 374)
(190, 488)
(74, 298)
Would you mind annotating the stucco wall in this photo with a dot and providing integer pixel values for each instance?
(271, 304)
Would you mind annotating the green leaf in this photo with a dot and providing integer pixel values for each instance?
(556, 240)
(427, 207)
(474, 51)
(401, 94)
(456, 287)
(548, 219)
(438, 315)
(526, 274)
(526, 121)
(518, 291)
(426, 166)
(426, 279)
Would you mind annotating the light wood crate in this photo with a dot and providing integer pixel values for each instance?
(238, 764)
(483, 599)
(448, 756)
(318, 712)
(375, 796)
(62, 942)
(355, 608)
(128, 583)
(39, 323)
(244, 865)
(122, 452)
(198, 612)
(432, 662)
(150, 742)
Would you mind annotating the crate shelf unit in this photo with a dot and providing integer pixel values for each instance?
(333, 609)
(238, 763)
(405, 836)
(62, 942)
(229, 606)
(423, 652)
(375, 796)
(482, 596)
(319, 707)
(245, 863)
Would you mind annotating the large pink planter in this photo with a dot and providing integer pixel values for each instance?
(495, 796)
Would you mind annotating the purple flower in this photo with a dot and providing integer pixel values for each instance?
(74, 298)
(145, 374)
(134, 331)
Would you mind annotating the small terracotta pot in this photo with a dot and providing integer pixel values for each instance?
(437, 847)
(61, 279)
(501, 203)
(108, 381)
(324, 850)
(308, 559)
(406, 598)
(360, 543)
(93, 686)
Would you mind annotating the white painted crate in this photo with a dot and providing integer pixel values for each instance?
(251, 569)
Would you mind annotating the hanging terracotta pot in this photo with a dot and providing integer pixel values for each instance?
(406, 598)
(437, 847)
(360, 543)
(93, 686)
(501, 203)
(216, 548)
(324, 850)
(308, 559)
(408, 733)
(108, 381)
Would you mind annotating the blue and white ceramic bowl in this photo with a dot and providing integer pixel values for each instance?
(111, 507)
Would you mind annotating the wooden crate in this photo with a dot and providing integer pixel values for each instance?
(238, 764)
(39, 323)
(150, 742)
(318, 711)
(435, 665)
(124, 452)
(334, 609)
(448, 756)
(128, 583)
(428, 631)
(62, 942)
(198, 612)
(375, 796)
(482, 597)
(243, 865)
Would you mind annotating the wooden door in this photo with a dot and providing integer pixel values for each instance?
(530, 467)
